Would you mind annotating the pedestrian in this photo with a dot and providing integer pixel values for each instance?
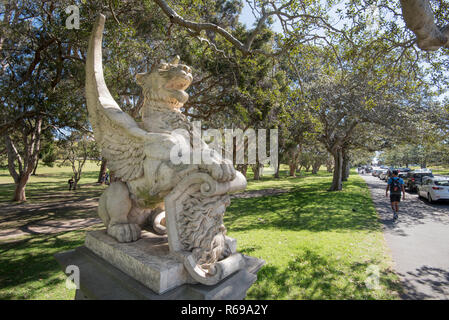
(395, 185)
(106, 178)
(103, 178)
(70, 182)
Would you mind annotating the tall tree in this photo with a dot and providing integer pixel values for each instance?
(39, 58)
(76, 150)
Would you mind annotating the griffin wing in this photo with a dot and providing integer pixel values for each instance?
(120, 138)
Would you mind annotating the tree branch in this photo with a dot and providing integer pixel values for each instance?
(419, 18)
(198, 27)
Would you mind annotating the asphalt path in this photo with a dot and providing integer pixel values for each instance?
(418, 240)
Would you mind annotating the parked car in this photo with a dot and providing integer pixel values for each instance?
(414, 178)
(378, 172)
(402, 175)
(365, 169)
(434, 189)
(383, 174)
(404, 170)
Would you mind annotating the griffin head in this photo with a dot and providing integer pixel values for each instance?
(167, 82)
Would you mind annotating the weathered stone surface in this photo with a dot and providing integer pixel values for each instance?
(150, 178)
(100, 280)
(147, 260)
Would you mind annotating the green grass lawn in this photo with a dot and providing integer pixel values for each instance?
(316, 244)
(50, 180)
(441, 170)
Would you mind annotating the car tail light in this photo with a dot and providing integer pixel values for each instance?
(437, 188)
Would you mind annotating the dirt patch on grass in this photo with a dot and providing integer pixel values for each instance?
(55, 212)
(67, 211)
(49, 227)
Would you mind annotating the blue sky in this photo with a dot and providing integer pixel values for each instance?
(248, 19)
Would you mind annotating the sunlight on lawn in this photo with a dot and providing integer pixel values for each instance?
(316, 244)
(48, 180)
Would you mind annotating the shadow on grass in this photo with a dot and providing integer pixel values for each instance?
(23, 215)
(312, 276)
(48, 201)
(28, 266)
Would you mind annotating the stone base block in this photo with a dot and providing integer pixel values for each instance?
(147, 260)
(146, 270)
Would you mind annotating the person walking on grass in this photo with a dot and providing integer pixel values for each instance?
(71, 182)
(395, 185)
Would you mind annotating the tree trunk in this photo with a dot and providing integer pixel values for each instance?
(419, 17)
(338, 171)
(315, 167)
(256, 170)
(243, 168)
(307, 168)
(345, 166)
(103, 169)
(26, 163)
(35, 167)
(256, 174)
(276, 173)
(76, 179)
(329, 165)
(19, 192)
(292, 169)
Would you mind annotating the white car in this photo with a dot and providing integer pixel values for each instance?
(383, 174)
(434, 189)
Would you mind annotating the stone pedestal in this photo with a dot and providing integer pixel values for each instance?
(148, 260)
(145, 269)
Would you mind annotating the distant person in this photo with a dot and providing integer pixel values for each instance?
(71, 182)
(106, 178)
(103, 178)
(395, 185)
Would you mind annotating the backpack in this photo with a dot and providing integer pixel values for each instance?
(395, 187)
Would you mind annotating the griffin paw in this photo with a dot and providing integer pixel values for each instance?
(126, 232)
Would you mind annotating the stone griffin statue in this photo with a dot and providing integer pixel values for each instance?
(186, 201)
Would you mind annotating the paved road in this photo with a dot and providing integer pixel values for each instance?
(419, 242)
